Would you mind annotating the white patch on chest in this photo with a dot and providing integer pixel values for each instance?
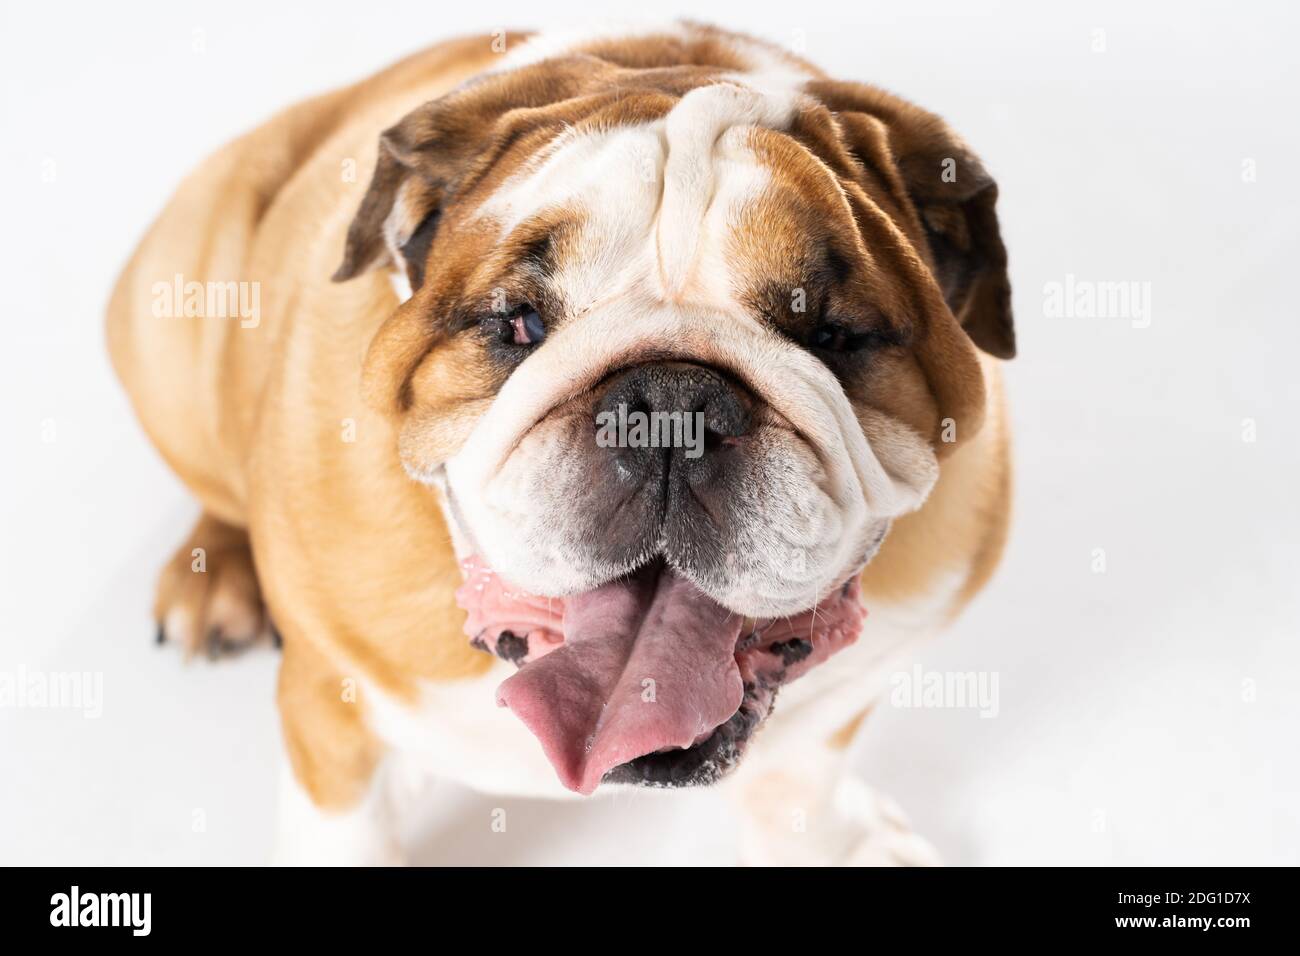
(457, 732)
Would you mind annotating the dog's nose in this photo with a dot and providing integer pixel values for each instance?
(661, 413)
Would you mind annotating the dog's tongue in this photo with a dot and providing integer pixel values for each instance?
(648, 663)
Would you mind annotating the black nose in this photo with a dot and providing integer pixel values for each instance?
(655, 416)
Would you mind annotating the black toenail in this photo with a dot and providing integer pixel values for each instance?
(161, 636)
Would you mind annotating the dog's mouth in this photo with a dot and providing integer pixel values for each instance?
(646, 680)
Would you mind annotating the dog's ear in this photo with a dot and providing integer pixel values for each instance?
(399, 214)
(443, 146)
(421, 161)
(955, 200)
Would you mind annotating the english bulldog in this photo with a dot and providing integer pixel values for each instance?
(403, 461)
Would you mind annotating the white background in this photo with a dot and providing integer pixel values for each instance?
(1148, 714)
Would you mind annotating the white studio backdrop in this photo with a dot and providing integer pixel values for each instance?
(1143, 627)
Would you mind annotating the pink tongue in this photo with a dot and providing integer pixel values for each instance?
(647, 663)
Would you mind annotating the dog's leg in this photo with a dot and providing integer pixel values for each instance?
(208, 595)
(335, 808)
(308, 834)
(809, 809)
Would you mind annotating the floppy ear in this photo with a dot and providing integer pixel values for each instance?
(954, 197)
(399, 214)
(443, 147)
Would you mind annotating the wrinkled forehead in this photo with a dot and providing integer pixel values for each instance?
(660, 204)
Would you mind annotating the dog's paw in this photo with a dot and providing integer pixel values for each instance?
(785, 823)
(209, 600)
(885, 836)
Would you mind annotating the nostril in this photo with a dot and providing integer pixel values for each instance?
(715, 441)
(723, 415)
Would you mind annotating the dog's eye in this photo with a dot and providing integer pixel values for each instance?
(833, 337)
(827, 336)
(526, 326)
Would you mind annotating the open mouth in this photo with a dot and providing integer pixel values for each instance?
(646, 680)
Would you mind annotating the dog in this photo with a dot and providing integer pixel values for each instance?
(399, 452)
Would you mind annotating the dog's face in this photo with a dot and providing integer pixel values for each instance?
(777, 274)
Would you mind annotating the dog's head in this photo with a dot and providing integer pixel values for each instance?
(688, 325)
